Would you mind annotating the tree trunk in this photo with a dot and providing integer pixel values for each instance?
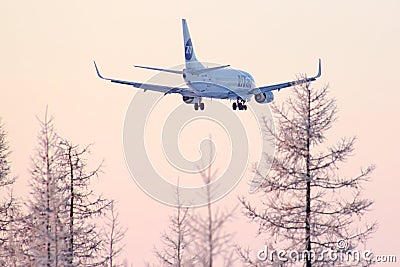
(71, 208)
(308, 185)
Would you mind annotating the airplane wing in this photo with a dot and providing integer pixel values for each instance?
(151, 87)
(279, 86)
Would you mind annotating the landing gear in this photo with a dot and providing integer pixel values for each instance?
(198, 105)
(240, 104)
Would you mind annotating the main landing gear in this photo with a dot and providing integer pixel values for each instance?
(199, 105)
(240, 104)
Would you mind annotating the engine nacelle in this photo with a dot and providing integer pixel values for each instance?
(188, 99)
(264, 97)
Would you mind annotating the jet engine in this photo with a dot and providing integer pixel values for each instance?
(264, 97)
(188, 99)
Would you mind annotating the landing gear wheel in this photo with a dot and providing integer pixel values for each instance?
(201, 106)
(196, 106)
(240, 104)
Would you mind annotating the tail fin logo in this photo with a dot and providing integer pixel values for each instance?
(188, 49)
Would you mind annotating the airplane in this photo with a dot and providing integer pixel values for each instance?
(221, 82)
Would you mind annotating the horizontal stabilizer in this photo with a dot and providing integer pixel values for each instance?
(191, 71)
(194, 71)
(159, 69)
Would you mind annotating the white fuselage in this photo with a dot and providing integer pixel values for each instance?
(226, 83)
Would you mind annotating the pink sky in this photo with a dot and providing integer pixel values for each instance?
(46, 55)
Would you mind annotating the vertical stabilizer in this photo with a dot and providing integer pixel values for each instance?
(190, 57)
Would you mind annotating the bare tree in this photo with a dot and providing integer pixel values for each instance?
(6, 199)
(10, 247)
(197, 239)
(210, 244)
(18, 239)
(47, 198)
(5, 169)
(307, 206)
(4, 203)
(82, 206)
(176, 240)
(114, 235)
(63, 207)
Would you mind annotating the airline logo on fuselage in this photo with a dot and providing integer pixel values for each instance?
(188, 49)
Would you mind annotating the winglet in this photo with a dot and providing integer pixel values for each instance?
(98, 72)
(319, 69)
